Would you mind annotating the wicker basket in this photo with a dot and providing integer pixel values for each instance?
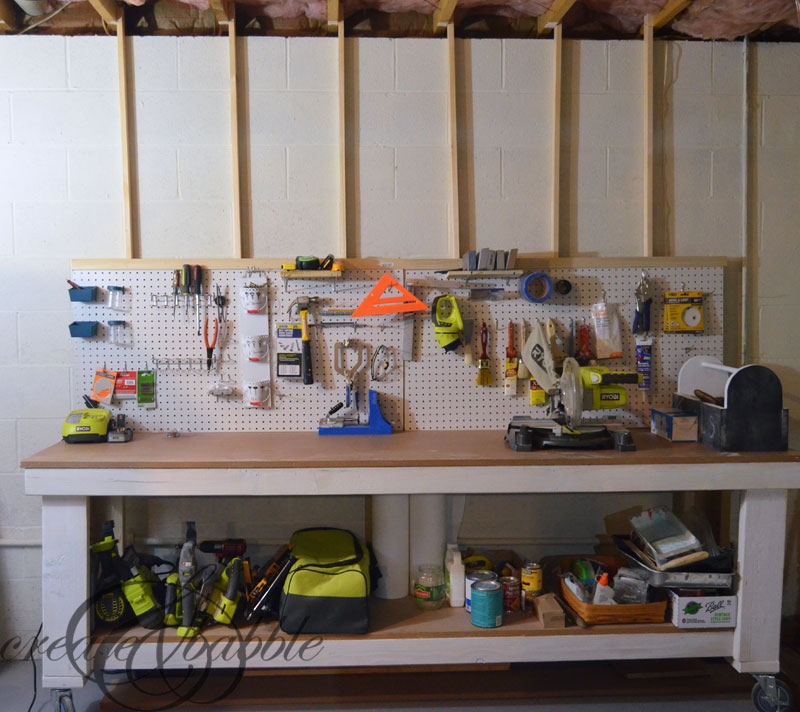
(605, 614)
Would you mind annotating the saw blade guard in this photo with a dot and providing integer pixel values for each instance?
(572, 392)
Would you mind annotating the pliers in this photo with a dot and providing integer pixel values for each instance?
(644, 300)
(210, 346)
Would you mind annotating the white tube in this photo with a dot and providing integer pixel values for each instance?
(455, 515)
(390, 543)
(427, 530)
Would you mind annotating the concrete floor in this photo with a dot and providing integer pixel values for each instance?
(16, 687)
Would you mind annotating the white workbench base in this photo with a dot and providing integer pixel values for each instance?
(408, 464)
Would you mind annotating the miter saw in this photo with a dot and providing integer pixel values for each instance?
(575, 390)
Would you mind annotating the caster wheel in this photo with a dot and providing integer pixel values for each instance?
(785, 701)
(64, 702)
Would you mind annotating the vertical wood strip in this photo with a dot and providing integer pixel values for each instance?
(453, 246)
(128, 188)
(234, 99)
(647, 146)
(555, 247)
(342, 244)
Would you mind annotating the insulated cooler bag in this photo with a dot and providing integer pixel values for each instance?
(327, 587)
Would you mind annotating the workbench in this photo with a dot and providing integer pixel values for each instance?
(256, 464)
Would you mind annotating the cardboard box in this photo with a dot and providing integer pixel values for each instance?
(673, 425)
(703, 611)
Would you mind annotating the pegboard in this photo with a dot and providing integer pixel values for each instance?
(183, 400)
(436, 378)
(435, 391)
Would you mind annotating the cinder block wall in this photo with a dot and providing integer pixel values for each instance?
(60, 197)
(775, 291)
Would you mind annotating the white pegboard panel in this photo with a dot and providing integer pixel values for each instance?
(440, 390)
(184, 403)
(436, 391)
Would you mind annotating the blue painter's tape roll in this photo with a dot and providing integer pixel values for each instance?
(536, 287)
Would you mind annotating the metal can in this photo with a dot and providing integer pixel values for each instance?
(511, 597)
(471, 578)
(531, 576)
(487, 604)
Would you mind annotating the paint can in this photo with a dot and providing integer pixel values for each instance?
(487, 604)
(471, 578)
(511, 594)
(531, 576)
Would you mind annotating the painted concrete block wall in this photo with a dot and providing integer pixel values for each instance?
(293, 151)
(699, 98)
(505, 135)
(777, 177)
(399, 149)
(601, 148)
(182, 120)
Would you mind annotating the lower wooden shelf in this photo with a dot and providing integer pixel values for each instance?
(401, 634)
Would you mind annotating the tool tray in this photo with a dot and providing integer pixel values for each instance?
(83, 329)
(610, 614)
(714, 572)
(87, 294)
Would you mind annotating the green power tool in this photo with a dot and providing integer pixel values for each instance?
(136, 582)
(447, 322)
(227, 593)
(173, 609)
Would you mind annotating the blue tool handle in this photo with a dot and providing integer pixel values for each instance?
(646, 315)
(641, 319)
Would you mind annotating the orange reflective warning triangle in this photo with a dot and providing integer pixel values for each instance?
(374, 305)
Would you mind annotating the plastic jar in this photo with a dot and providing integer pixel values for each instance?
(118, 333)
(115, 297)
(429, 587)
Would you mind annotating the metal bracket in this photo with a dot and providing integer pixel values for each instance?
(767, 683)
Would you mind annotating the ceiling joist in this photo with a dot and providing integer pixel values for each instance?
(8, 15)
(334, 15)
(548, 21)
(667, 14)
(223, 11)
(442, 15)
(107, 9)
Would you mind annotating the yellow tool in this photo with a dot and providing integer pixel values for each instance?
(592, 388)
(306, 366)
(447, 322)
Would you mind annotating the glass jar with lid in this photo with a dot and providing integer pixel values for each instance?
(429, 586)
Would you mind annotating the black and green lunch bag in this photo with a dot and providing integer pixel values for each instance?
(328, 585)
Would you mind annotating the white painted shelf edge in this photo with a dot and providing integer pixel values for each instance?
(333, 652)
(169, 482)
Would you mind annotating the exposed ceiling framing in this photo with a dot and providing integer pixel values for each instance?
(763, 20)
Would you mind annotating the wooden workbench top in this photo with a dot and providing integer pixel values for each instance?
(407, 449)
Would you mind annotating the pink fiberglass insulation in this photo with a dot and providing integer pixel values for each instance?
(511, 8)
(624, 16)
(313, 9)
(706, 19)
(729, 19)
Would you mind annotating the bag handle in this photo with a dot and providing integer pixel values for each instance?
(359, 552)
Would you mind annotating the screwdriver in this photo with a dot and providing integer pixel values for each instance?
(176, 290)
(186, 284)
(197, 288)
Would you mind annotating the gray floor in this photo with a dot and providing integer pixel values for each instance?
(16, 687)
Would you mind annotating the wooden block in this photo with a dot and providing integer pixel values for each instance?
(549, 613)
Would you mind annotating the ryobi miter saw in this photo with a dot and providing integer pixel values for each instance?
(577, 389)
